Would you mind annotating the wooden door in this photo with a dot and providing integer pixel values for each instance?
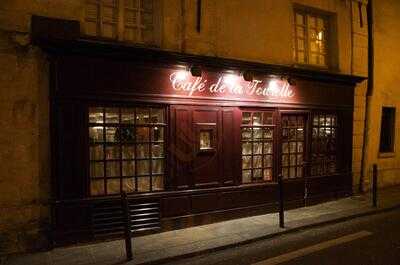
(293, 155)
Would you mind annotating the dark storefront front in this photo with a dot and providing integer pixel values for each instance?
(188, 138)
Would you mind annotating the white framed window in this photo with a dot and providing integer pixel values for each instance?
(311, 38)
(123, 20)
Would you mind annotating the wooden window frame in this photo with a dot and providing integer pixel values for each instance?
(120, 160)
(328, 30)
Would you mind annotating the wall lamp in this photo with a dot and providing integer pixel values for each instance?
(195, 70)
(248, 76)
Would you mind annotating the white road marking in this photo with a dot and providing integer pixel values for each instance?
(314, 248)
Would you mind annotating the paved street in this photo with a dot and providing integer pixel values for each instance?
(371, 240)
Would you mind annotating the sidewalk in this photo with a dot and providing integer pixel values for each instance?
(162, 247)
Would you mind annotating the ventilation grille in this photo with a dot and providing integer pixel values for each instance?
(108, 220)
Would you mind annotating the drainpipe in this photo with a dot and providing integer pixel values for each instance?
(369, 94)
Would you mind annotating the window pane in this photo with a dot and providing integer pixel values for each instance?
(205, 139)
(257, 133)
(268, 133)
(267, 174)
(246, 118)
(142, 115)
(267, 147)
(96, 152)
(111, 134)
(113, 186)
(299, 19)
(128, 116)
(246, 176)
(112, 115)
(246, 133)
(142, 134)
(128, 151)
(257, 161)
(112, 152)
(158, 182)
(143, 167)
(257, 148)
(128, 184)
(128, 168)
(157, 166)
(257, 118)
(267, 161)
(257, 174)
(157, 115)
(96, 134)
(246, 162)
(126, 134)
(142, 151)
(96, 169)
(246, 148)
(143, 184)
(97, 187)
(157, 150)
(112, 169)
(96, 115)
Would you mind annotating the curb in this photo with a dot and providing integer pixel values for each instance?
(272, 235)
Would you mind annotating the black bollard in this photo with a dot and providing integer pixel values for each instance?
(281, 209)
(375, 186)
(127, 226)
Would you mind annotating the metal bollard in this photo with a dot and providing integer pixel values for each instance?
(127, 226)
(281, 206)
(375, 185)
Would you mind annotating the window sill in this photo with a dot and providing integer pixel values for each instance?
(386, 155)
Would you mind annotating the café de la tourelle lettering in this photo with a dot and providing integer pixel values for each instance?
(268, 89)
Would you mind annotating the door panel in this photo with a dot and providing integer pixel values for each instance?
(293, 154)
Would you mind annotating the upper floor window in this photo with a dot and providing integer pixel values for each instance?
(123, 20)
(386, 143)
(311, 38)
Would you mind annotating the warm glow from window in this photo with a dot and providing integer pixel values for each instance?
(230, 79)
(181, 75)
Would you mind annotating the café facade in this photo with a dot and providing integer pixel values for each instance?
(191, 139)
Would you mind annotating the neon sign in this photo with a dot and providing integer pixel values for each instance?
(230, 85)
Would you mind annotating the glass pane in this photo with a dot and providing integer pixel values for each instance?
(299, 19)
(128, 184)
(96, 169)
(91, 28)
(285, 148)
(257, 173)
(300, 172)
(157, 134)
(111, 134)
(97, 187)
(128, 151)
(157, 166)
(96, 152)
(158, 183)
(292, 134)
(113, 186)
(268, 118)
(246, 148)
(257, 118)
(300, 45)
(143, 184)
(285, 160)
(142, 134)
(292, 172)
(299, 159)
(301, 57)
(143, 167)
(246, 118)
(246, 176)
(300, 32)
(157, 150)
(246, 133)
(285, 172)
(96, 115)
(157, 116)
(292, 160)
(128, 116)
(112, 115)
(299, 147)
(246, 162)
(96, 134)
(142, 151)
(267, 174)
(257, 161)
(142, 115)
(112, 152)
(257, 133)
(267, 161)
(128, 168)
(292, 147)
(112, 169)
(300, 133)
(126, 134)
(268, 133)
(292, 121)
(257, 148)
(267, 147)
(205, 139)
(315, 120)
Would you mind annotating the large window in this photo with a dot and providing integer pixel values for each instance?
(324, 145)
(126, 147)
(386, 143)
(311, 38)
(125, 20)
(257, 146)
